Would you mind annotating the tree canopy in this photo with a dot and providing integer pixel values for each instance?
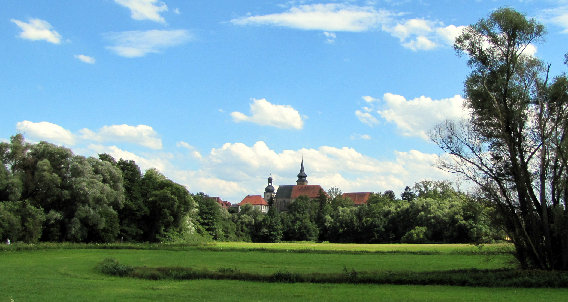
(514, 146)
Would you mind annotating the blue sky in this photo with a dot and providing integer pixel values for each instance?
(218, 95)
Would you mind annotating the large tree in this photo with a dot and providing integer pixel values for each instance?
(514, 146)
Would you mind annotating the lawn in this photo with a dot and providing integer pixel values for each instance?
(68, 274)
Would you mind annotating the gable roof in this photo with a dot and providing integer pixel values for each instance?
(255, 200)
(358, 198)
(223, 204)
(311, 191)
(284, 191)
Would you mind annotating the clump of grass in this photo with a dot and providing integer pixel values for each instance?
(286, 277)
(110, 266)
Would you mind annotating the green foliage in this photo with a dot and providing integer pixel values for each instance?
(20, 221)
(110, 266)
(514, 145)
(416, 235)
(300, 220)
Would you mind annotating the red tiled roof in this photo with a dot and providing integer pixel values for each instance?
(223, 204)
(254, 200)
(311, 191)
(358, 198)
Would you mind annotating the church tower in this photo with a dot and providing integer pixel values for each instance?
(269, 191)
(302, 176)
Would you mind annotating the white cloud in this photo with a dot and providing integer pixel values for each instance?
(449, 33)
(132, 44)
(267, 114)
(360, 137)
(46, 131)
(412, 27)
(366, 118)
(417, 116)
(142, 135)
(557, 16)
(85, 59)
(37, 30)
(161, 161)
(330, 37)
(420, 43)
(328, 166)
(328, 17)
(422, 34)
(194, 153)
(415, 34)
(145, 9)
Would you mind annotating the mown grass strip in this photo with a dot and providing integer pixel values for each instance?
(471, 277)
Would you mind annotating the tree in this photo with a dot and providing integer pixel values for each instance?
(169, 205)
(389, 194)
(209, 215)
(132, 214)
(515, 145)
(300, 222)
(407, 194)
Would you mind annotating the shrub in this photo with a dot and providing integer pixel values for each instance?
(416, 235)
(110, 266)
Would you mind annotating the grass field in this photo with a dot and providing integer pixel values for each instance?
(69, 275)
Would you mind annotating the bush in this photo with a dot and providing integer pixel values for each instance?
(416, 235)
(110, 266)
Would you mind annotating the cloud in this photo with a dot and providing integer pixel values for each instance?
(330, 37)
(37, 30)
(161, 161)
(328, 166)
(132, 44)
(46, 131)
(422, 34)
(145, 9)
(328, 17)
(366, 118)
(142, 135)
(357, 136)
(415, 34)
(415, 117)
(449, 33)
(235, 170)
(557, 16)
(85, 59)
(194, 153)
(267, 114)
(420, 43)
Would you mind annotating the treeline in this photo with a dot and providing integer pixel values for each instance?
(49, 194)
(430, 212)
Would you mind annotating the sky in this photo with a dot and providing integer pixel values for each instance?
(218, 95)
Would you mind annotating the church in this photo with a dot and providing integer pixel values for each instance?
(286, 194)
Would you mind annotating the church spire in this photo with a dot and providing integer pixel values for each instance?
(302, 176)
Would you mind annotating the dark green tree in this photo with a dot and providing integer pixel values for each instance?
(135, 210)
(408, 194)
(209, 215)
(299, 222)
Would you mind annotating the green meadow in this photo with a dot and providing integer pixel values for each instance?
(67, 272)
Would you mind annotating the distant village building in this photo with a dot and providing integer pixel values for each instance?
(358, 198)
(287, 194)
(256, 201)
(224, 204)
